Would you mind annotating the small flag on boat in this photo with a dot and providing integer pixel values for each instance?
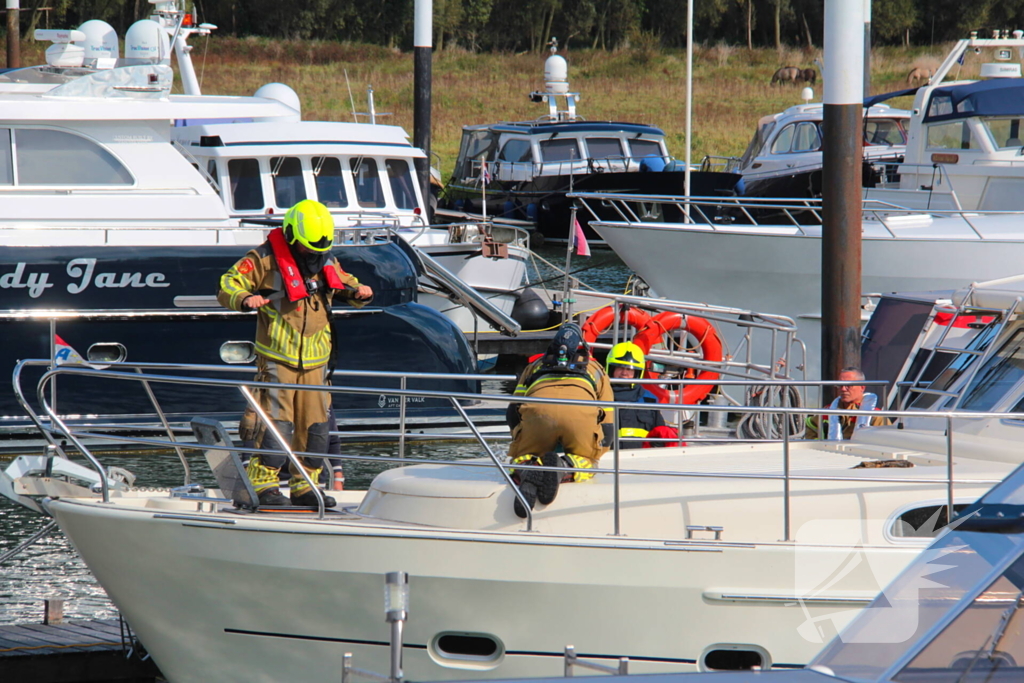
(485, 175)
(960, 59)
(579, 239)
(64, 353)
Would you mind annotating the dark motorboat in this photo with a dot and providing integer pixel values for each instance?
(522, 171)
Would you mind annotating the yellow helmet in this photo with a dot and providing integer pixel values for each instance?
(310, 224)
(626, 354)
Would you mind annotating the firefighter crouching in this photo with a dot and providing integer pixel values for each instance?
(566, 371)
(291, 280)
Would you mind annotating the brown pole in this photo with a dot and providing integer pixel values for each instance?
(841, 188)
(13, 35)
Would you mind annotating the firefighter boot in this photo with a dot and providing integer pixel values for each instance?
(547, 482)
(264, 482)
(526, 480)
(302, 494)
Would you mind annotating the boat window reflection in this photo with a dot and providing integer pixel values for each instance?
(1005, 132)
(806, 138)
(883, 132)
(952, 135)
(53, 157)
(289, 186)
(604, 148)
(1001, 373)
(984, 643)
(566, 149)
(956, 368)
(401, 183)
(516, 150)
(645, 148)
(784, 140)
(369, 192)
(246, 188)
(6, 162)
(330, 186)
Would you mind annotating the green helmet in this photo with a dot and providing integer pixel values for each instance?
(626, 354)
(310, 224)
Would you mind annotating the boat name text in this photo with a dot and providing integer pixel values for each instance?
(84, 272)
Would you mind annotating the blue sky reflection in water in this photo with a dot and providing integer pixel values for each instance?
(52, 568)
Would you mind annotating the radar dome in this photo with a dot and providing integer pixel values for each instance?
(146, 43)
(556, 75)
(282, 93)
(100, 41)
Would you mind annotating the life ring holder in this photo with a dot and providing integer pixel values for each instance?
(710, 348)
(601, 320)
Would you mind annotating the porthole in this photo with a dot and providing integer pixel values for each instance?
(734, 657)
(921, 521)
(464, 650)
(106, 352)
(238, 352)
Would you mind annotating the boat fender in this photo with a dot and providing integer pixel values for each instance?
(531, 212)
(508, 210)
(652, 163)
(601, 320)
(710, 348)
(530, 310)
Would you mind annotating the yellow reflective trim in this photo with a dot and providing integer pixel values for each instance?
(634, 432)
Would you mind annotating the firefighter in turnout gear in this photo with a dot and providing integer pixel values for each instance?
(290, 280)
(565, 371)
(626, 361)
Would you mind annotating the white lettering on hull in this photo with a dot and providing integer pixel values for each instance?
(83, 272)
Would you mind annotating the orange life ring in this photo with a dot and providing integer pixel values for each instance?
(710, 347)
(601, 320)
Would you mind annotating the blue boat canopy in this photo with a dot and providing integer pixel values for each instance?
(998, 97)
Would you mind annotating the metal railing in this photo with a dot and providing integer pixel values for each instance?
(725, 212)
(56, 429)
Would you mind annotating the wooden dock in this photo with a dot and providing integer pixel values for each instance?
(75, 651)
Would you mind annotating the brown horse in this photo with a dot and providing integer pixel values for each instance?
(918, 74)
(809, 76)
(787, 74)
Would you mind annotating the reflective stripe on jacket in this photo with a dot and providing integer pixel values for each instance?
(296, 333)
(593, 386)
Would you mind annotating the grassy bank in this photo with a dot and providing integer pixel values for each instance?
(731, 85)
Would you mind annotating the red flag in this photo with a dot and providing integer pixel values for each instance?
(579, 239)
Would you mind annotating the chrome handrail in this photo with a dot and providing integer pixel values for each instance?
(59, 426)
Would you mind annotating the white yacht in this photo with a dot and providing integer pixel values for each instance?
(682, 559)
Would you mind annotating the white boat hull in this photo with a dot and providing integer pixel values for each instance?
(781, 273)
(283, 601)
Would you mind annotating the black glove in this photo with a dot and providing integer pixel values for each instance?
(609, 434)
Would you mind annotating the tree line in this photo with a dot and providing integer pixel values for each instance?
(522, 25)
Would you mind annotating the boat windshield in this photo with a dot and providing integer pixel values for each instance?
(764, 129)
(956, 369)
(884, 132)
(477, 146)
(1005, 132)
(1001, 373)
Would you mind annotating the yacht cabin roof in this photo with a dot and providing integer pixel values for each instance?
(555, 127)
(33, 107)
(234, 139)
(996, 97)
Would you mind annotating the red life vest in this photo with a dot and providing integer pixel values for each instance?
(291, 276)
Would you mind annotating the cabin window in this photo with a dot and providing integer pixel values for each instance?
(369, 192)
(951, 374)
(289, 186)
(1000, 374)
(784, 140)
(566, 149)
(516, 151)
(604, 148)
(246, 187)
(330, 186)
(644, 148)
(941, 105)
(52, 157)
(1006, 133)
(477, 146)
(806, 138)
(922, 522)
(883, 132)
(6, 161)
(401, 183)
(951, 135)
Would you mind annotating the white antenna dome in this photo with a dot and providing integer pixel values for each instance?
(807, 94)
(100, 41)
(282, 93)
(556, 75)
(146, 43)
